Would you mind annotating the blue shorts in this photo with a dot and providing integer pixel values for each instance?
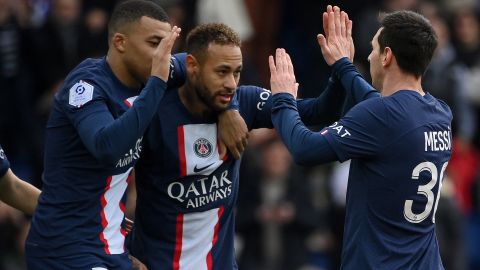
(80, 262)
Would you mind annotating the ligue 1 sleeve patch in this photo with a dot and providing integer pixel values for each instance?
(80, 93)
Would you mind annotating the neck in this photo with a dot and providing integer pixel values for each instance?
(193, 102)
(396, 81)
(120, 71)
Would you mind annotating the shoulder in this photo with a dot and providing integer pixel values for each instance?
(370, 106)
(87, 81)
(443, 108)
(251, 89)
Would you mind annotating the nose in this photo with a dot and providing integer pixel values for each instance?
(230, 82)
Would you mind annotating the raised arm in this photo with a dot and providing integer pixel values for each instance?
(98, 129)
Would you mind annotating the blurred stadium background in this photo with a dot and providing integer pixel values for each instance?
(288, 217)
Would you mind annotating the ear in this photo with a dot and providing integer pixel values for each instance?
(387, 57)
(119, 42)
(192, 64)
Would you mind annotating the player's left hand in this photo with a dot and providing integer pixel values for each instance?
(282, 75)
(233, 133)
(136, 264)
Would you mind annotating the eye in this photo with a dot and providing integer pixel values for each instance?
(153, 44)
(222, 72)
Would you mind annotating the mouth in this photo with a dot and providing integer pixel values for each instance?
(225, 98)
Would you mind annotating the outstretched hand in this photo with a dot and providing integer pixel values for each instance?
(337, 41)
(163, 53)
(282, 76)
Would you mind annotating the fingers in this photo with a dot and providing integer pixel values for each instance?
(322, 41)
(331, 25)
(291, 71)
(271, 64)
(325, 19)
(172, 37)
(222, 149)
(167, 43)
(343, 24)
(338, 24)
(279, 60)
(325, 23)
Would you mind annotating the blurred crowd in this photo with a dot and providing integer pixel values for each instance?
(288, 217)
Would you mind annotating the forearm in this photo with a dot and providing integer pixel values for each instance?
(324, 109)
(306, 147)
(109, 142)
(356, 87)
(18, 193)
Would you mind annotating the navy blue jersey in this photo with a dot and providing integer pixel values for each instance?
(93, 140)
(4, 165)
(400, 146)
(187, 192)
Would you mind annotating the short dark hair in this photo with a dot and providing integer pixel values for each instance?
(133, 10)
(201, 36)
(411, 38)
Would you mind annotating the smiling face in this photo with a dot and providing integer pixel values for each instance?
(141, 41)
(216, 78)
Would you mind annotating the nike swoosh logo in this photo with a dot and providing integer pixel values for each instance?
(196, 170)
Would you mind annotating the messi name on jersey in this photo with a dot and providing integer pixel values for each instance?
(438, 140)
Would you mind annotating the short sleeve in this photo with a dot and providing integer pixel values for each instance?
(361, 133)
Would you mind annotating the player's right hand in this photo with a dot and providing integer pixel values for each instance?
(337, 41)
(163, 53)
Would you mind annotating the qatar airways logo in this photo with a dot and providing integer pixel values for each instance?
(132, 155)
(2, 154)
(201, 191)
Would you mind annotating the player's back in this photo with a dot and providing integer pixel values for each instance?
(393, 190)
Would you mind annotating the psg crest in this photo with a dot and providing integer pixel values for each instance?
(202, 148)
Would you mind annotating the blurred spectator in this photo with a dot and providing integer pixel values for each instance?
(56, 44)
(93, 37)
(17, 122)
(366, 24)
(233, 13)
(275, 213)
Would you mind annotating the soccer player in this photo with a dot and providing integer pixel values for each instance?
(399, 142)
(14, 191)
(93, 140)
(186, 189)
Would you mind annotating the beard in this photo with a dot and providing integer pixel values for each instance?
(204, 94)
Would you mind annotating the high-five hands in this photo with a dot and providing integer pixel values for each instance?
(282, 76)
(337, 41)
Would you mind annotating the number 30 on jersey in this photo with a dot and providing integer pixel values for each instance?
(425, 190)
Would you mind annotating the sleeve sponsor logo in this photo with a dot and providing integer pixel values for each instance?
(264, 96)
(341, 130)
(2, 154)
(80, 93)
